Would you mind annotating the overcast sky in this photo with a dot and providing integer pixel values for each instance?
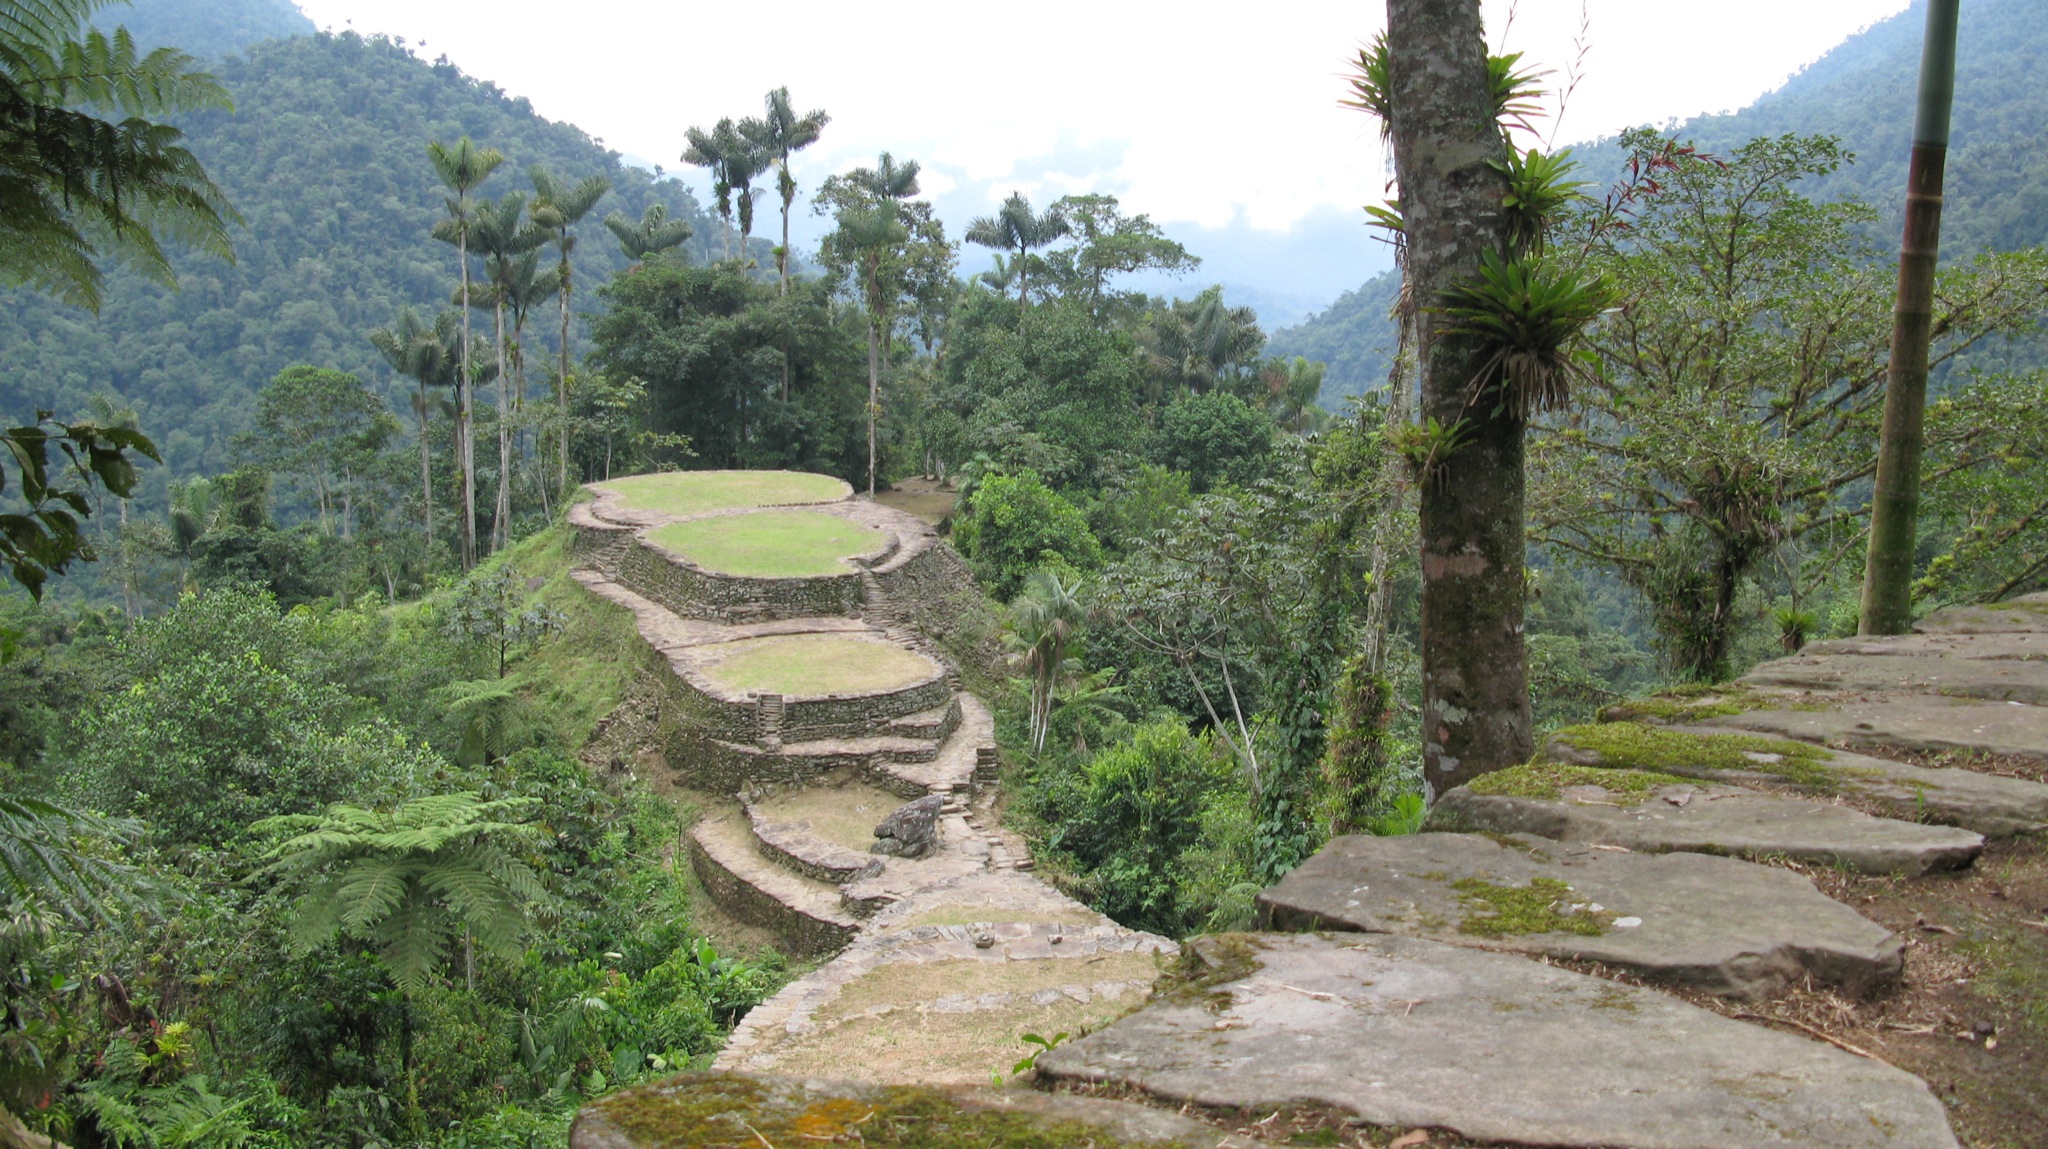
(1188, 115)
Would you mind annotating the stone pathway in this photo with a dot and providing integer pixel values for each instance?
(943, 961)
(1432, 993)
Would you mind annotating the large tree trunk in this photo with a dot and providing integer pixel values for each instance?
(1895, 503)
(426, 471)
(1475, 689)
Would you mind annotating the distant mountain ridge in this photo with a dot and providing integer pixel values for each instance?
(1863, 93)
(212, 28)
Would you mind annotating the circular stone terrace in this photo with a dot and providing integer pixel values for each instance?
(812, 665)
(682, 494)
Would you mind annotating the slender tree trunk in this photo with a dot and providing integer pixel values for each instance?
(1895, 503)
(1475, 693)
(562, 391)
(501, 513)
(426, 471)
(874, 397)
(782, 261)
(465, 418)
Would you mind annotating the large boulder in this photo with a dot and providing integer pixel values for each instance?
(912, 831)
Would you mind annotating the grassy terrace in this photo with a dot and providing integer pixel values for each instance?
(695, 492)
(771, 544)
(805, 665)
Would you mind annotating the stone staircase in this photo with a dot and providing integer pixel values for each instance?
(1663, 851)
(957, 952)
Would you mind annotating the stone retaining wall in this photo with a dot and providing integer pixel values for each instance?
(702, 722)
(937, 595)
(805, 934)
(689, 591)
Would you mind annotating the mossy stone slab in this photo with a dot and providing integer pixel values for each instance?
(1715, 819)
(2001, 667)
(1995, 806)
(1407, 1032)
(1725, 926)
(727, 1109)
(1922, 722)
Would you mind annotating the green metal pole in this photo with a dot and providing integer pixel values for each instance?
(1895, 504)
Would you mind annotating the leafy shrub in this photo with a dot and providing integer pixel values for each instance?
(1016, 524)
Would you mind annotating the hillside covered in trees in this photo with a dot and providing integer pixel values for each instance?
(1862, 94)
(325, 159)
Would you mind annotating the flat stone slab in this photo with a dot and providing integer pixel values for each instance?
(2025, 613)
(1714, 819)
(1725, 926)
(1410, 1032)
(1989, 804)
(1921, 722)
(726, 1109)
(1999, 667)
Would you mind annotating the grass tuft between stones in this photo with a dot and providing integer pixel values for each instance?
(1549, 780)
(1530, 909)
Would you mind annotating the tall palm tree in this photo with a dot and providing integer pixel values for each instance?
(654, 234)
(462, 168)
(743, 165)
(502, 234)
(525, 287)
(722, 151)
(1196, 343)
(430, 355)
(779, 134)
(1043, 623)
(873, 234)
(556, 209)
(1016, 228)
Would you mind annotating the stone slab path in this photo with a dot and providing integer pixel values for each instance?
(1714, 819)
(1995, 806)
(1718, 924)
(1935, 723)
(1409, 1032)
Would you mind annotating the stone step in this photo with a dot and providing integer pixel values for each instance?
(1914, 722)
(1729, 927)
(1411, 1033)
(2002, 667)
(934, 725)
(953, 768)
(1994, 806)
(945, 980)
(1641, 813)
(2029, 612)
(807, 913)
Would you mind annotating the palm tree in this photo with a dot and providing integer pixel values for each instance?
(525, 287)
(1043, 622)
(778, 135)
(501, 233)
(462, 168)
(430, 356)
(872, 234)
(743, 165)
(557, 209)
(722, 151)
(1197, 343)
(1016, 228)
(654, 234)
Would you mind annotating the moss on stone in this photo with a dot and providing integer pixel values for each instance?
(1693, 703)
(1631, 746)
(1206, 963)
(1530, 909)
(1549, 780)
(702, 1110)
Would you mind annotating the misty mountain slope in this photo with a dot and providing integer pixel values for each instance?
(325, 157)
(1862, 92)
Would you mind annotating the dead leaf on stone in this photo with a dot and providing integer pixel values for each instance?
(1418, 1137)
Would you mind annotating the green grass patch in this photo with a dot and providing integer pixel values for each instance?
(812, 664)
(1691, 703)
(1549, 780)
(1629, 746)
(1532, 909)
(695, 492)
(771, 544)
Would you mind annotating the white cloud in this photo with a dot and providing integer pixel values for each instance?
(1186, 115)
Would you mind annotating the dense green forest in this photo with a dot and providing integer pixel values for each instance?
(1862, 94)
(299, 845)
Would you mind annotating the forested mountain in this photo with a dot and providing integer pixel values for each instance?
(325, 157)
(213, 28)
(1862, 92)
